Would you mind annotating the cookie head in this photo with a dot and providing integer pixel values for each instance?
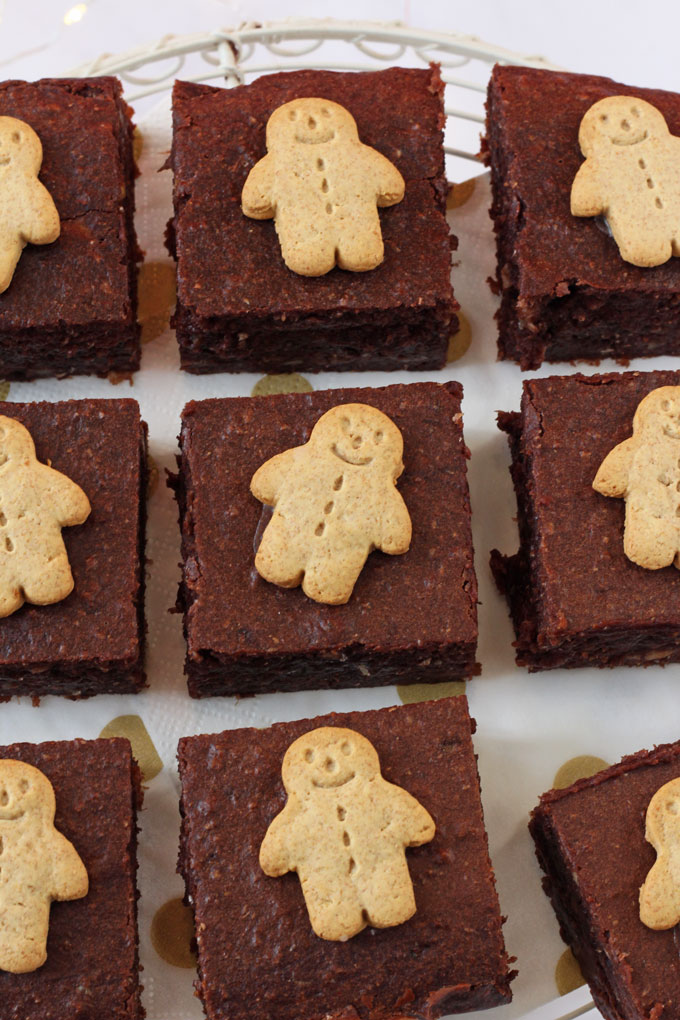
(19, 146)
(328, 758)
(310, 122)
(24, 789)
(16, 444)
(659, 411)
(620, 121)
(360, 435)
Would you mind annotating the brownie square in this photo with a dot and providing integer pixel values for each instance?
(71, 307)
(410, 619)
(258, 956)
(92, 642)
(239, 308)
(92, 967)
(575, 598)
(566, 292)
(590, 842)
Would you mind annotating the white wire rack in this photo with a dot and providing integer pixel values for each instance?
(238, 55)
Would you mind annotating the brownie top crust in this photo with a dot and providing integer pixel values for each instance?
(82, 277)
(230, 264)
(533, 125)
(425, 597)
(99, 445)
(595, 831)
(581, 577)
(91, 969)
(448, 956)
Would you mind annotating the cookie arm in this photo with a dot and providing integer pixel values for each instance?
(68, 501)
(413, 823)
(586, 199)
(394, 530)
(389, 183)
(275, 849)
(267, 480)
(40, 220)
(69, 876)
(612, 475)
(256, 197)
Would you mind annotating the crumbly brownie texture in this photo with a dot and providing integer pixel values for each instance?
(258, 956)
(575, 598)
(590, 842)
(92, 967)
(566, 292)
(72, 305)
(238, 307)
(410, 619)
(93, 641)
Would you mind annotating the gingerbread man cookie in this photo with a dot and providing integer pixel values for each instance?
(322, 186)
(645, 471)
(37, 865)
(27, 212)
(335, 500)
(344, 830)
(36, 502)
(660, 893)
(631, 177)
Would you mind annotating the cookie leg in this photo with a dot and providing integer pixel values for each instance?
(649, 541)
(388, 895)
(361, 249)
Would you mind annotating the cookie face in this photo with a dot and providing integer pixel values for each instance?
(645, 471)
(323, 187)
(344, 831)
(35, 503)
(630, 176)
(27, 212)
(334, 501)
(37, 865)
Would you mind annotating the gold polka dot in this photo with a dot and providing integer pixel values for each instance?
(132, 727)
(172, 934)
(116, 378)
(137, 144)
(459, 194)
(568, 974)
(4, 389)
(582, 767)
(291, 382)
(152, 483)
(410, 693)
(460, 341)
(157, 292)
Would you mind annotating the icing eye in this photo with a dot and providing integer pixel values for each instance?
(604, 118)
(24, 785)
(634, 110)
(666, 405)
(4, 797)
(292, 115)
(16, 137)
(325, 112)
(378, 437)
(346, 747)
(309, 755)
(673, 807)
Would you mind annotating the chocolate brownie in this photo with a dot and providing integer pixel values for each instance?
(575, 598)
(258, 956)
(92, 967)
(590, 842)
(71, 307)
(92, 642)
(411, 618)
(239, 308)
(566, 292)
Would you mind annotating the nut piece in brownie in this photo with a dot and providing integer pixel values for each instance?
(590, 842)
(92, 966)
(258, 956)
(71, 307)
(239, 308)
(566, 291)
(92, 642)
(575, 597)
(411, 618)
